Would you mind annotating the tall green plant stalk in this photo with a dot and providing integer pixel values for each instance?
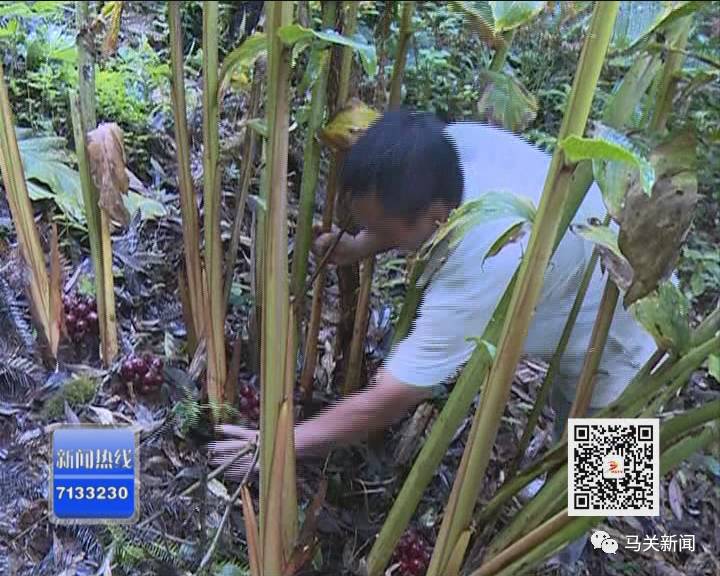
(215, 330)
(248, 159)
(554, 364)
(348, 276)
(598, 338)
(277, 480)
(311, 171)
(501, 52)
(678, 37)
(401, 56)
(22, 214)
(104, 282)
(188, 207)
(497, 390)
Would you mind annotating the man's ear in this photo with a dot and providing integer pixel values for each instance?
(439, 211)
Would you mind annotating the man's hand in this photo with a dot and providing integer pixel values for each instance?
(223, 450)
(349, 421)
(345, 252)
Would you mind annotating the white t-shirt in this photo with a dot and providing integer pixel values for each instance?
(462, 295)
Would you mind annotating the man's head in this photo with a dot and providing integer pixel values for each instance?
(403, 176)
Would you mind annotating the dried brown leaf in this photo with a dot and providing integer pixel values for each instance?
(676, 499)
(106, 154)
(652, 228)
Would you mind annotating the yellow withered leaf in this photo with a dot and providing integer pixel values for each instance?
(348, 125)
(107, 166)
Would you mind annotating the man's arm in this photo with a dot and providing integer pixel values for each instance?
(350, 249)
(351, 420)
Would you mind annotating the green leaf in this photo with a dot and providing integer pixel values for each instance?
(242, 58)
(318, 59)
(505, 102)
(294, 33)
(509, 15)
(259, 125)
(15, 9)
(488, 207)
(578, 148)
(149, 209)
(479, 18)
(48, 176)
(9, 30)
(490, 349)
(366, 51)
(512, 234)
(45, 160)
(611, 257)
(637, 21)
(599, 234)
(615, 177)
(665, 315)
(714, 367)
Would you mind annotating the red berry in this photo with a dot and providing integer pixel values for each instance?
(139, 366)
(92, 318)
(81, 308)
(70, 320)
(244, 404)
(81, 325)
(92, 305)
(126, 370)
(150, 378)
(156, 364)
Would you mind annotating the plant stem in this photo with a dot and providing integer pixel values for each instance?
(526, 293)
(401, 56)
(678, 37)
(348, 276)
(104, 282)
(554, 365)
(311, 170)
(501, 52)
(188, 207)
(600, 332)
(248, 159)
(217, 368)
(278, 507)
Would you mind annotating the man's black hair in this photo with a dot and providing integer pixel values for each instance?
(406, 159)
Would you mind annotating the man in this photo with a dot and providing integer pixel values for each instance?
(405, 175)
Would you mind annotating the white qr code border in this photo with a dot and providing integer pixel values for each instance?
(573, 424)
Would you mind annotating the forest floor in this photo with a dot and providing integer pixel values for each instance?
(362, 481)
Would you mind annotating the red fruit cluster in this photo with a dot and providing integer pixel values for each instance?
(80, 315)
(249, 403)
(144, 371)
(413, 554)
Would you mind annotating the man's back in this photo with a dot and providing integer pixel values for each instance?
(461, 297)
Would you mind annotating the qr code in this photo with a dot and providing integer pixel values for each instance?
(613, 467)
